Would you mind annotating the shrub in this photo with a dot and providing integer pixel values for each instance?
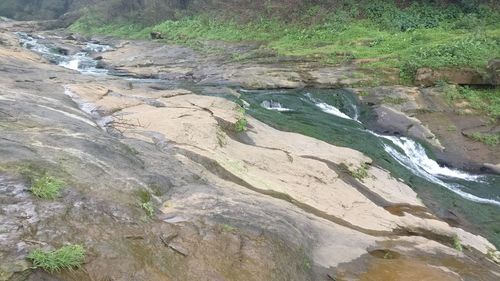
(66, 257)
(241, 124)
(46, 187)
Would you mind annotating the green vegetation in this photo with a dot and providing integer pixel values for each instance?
(419, 35)
(66, 257)
(145, 203)
(489, 139)
(394, 100)
(148, 208)
(241, 121)
(485, 101)
(451, 128)
(228, 228)
(241, 125)
(388, 255)
(360, 173)
(46, 187)
(457, 244)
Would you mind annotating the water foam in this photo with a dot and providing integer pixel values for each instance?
(273, 105)
(327, 108)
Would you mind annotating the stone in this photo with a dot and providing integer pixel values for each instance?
(156, 35)
(428, 77)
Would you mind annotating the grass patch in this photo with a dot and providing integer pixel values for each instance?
(488, 139)
(145, 203)
(66, 257)
(47, 187)
(457, 244)
(148, 208)
(420, 35)
(451, 128)
(241, 121)
(360, 173)
(485, 100)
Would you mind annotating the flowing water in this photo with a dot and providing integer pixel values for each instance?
(334, 116)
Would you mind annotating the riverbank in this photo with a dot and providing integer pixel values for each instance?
(268, 204)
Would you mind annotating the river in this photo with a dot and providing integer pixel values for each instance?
(335, 116)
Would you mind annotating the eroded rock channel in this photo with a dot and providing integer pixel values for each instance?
(254, 203)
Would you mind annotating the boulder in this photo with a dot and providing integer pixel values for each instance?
(71, 37)
(156, 35)
(465, 76)
(62, 51)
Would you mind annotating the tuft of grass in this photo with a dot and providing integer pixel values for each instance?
(145, 203)
(451, 128)
(46, 187)
(457, 244)
(66, 257)
(241, 121)
(148, 208)
(360, 173)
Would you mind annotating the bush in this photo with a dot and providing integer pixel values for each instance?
(241, 125)
(67, 257)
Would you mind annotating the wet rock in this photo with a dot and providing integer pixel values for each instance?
(62, 51)
(156, 35)
(392, 121)
(495, 168)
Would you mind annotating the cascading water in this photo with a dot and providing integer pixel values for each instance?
(332, 116)
(80, 61)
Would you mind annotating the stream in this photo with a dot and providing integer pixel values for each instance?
(336, 117)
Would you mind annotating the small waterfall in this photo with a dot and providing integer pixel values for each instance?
(414, 157)
(327, 108)
(80, 61)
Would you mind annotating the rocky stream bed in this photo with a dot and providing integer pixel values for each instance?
(282, 200)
